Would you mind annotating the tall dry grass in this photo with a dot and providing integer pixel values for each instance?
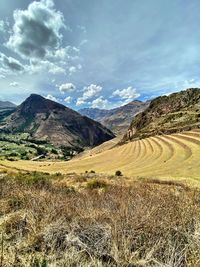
(46, 222)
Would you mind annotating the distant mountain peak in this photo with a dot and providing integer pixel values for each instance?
(38, 104)
(6, 104)
(117, 119)
(45, 119)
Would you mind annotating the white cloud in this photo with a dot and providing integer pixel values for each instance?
(14, 84)
(100, 102)
(72, 70)
(54, 69)
(128, 94)
(65, 53)
(2, 26)
(36, 30)
(51, 97)
(66, 87)
(44, 65)
(68, 99)
(89, 92)
(80, 101)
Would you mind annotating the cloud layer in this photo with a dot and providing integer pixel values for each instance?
(96, 54)
(36, 30)
(10, 63)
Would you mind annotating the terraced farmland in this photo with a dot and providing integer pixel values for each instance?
(175, 156)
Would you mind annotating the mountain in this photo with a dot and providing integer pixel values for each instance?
(94, 113)
(117, 119)
(47, 120)
(167, 114)
(6, 109)
(6, 105)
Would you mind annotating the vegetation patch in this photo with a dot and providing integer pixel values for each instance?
(22, 146)
(136, 224)
(96, 183)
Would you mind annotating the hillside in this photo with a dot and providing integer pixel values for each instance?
(167, 114)
(47, 120)
(174, 157)
(94, 220)
(117, 119)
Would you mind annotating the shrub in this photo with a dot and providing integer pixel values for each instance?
(95, 184)
(92, 171)
(14, 154)
(54, 151)
(118, 173)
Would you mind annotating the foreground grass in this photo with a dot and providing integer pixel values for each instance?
(91, 220)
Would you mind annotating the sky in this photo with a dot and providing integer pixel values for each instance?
(100, 54)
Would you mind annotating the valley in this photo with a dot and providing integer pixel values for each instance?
(162, 142)
(75, 192)
(99, 133)
(116, 119)
(167, 157)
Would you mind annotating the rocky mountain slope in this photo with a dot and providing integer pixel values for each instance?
(117, 119)
(167, 114)
(47, 120)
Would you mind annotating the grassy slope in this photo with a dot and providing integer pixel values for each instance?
(173, 156)
(89, 221)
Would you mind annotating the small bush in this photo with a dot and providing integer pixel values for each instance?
(92, 171)
(95, 184)
(54, 151)
(118, 173)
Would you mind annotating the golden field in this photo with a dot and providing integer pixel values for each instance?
(175, 156)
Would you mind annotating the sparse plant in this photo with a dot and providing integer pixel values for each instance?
(96, 183)
(118, 173)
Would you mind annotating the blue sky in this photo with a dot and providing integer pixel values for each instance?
(90, 53)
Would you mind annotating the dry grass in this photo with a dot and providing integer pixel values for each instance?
(173, 156)
(56, 220)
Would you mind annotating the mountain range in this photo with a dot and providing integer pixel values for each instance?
(117, 119)
(47, 120)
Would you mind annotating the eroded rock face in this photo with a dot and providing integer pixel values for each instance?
(168, 114)
(47, 120)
